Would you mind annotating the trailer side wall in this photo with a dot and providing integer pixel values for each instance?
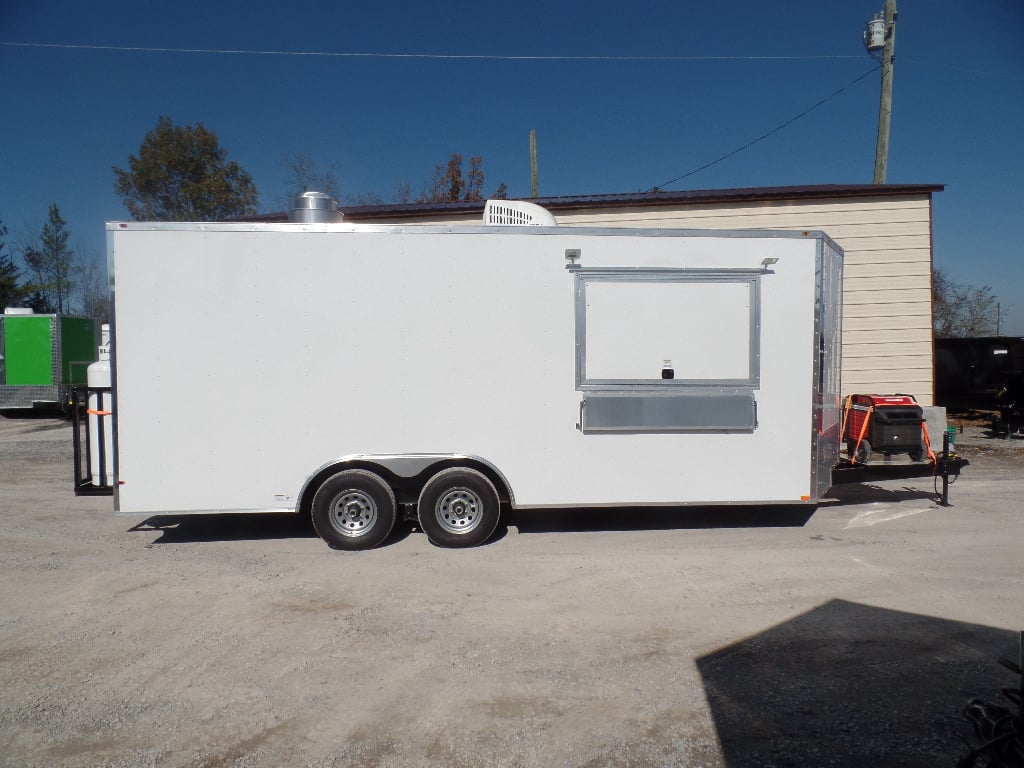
(245, 358)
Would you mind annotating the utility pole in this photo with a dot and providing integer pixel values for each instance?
(533, 163)
(885, 97)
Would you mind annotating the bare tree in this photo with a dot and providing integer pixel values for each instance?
(304, 175)
(403, 193)
(93, 287)
(962, 311)
(450, 185)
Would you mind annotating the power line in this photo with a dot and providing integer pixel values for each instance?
(470, 56)
(369, 55)
(765, 136)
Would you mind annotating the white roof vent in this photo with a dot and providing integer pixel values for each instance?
(516, 213)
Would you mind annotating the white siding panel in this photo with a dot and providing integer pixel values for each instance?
(797, 214)
(868, 310)
(866, 242)
(859, 270)
(888, 283)
(889, 380)
(867, 337)
(757, 220)
(886, 297)
(881, 383)
(879, 350)
(879, 229)
(864, 330)
(910, 362)
(878, 257)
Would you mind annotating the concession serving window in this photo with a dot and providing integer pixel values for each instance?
(667, 350)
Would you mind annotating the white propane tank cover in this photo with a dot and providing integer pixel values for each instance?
(19, 311)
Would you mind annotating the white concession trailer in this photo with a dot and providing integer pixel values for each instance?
(365, 372)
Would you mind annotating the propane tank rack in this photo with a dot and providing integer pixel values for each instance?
(90, 412)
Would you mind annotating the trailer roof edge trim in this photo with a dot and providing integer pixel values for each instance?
(457, 229)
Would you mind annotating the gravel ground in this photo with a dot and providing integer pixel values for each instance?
(852, 635)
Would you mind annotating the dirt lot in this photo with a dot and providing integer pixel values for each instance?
(850, 636)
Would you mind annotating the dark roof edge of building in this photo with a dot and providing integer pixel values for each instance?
(634, 199)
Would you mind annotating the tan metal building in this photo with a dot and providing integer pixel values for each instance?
(885, 231)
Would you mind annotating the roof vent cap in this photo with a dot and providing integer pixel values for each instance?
(314, 208)
(517, 213)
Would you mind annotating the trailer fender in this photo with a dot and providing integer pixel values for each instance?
(407, 474)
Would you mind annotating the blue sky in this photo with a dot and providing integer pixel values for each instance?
(603, 126)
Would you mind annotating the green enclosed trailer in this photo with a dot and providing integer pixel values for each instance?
(42, 357)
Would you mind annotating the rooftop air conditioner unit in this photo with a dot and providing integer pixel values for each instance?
(516, 213)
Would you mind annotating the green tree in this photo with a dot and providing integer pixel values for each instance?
(962, 311)
(183, 174)
(51, 263)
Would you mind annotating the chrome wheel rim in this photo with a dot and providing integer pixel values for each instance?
(353, 513)
(459, 510)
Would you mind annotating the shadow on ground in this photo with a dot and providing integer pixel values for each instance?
(867, 493)
(33, 414)
(237, 527)
(850, 685)
(194, 529)
(575, 520)
(177, 529)
(234, 527)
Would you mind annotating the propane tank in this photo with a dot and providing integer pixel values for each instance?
(101, 428)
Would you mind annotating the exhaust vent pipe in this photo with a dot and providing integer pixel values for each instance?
(314, 208)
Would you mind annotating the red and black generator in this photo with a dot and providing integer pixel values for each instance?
(883, 424)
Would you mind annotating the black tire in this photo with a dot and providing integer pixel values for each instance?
(354, 509)
(458, 508)
(863, 452)
(916, 454)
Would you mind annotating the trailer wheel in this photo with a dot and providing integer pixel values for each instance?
(458, 508)
(353, 510)
(863, 452)
(916, 454)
